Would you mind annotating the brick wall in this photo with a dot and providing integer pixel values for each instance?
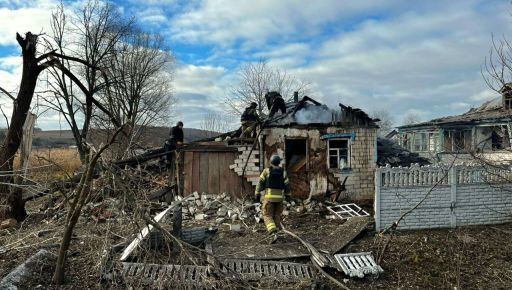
(459, 196)
(360, 181)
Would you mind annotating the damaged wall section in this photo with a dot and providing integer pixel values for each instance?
(330, 151)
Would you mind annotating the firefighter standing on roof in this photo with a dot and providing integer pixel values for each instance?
(274, 182)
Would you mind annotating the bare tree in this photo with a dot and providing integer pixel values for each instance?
(11, 197)
(255, 79)
(215, 123)
(92, 32)
(141, 94)
(497, 69)
(386, 122)
(411, 119)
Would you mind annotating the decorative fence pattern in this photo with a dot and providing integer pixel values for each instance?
(457, 195)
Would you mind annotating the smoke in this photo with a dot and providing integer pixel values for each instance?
(314, 114)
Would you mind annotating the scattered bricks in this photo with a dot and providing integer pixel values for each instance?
(286, 213)
(199, 217)
(196, 195)
(8, 223)
(198, 202)
(191, 210)
(235, 227)
(222, 212)
(219, 221)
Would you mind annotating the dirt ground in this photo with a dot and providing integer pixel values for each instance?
(464, 258)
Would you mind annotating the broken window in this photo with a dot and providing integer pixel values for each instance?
(432, 142)
(420, 142)
(499, 138)
(458, 140)
(424, 142)
(339, 153)
(296, 154)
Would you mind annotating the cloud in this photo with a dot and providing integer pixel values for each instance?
(200, 90)
(224, 22)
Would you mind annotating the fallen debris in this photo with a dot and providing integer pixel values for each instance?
(8, 223)
(346, 211)
(42, 262)
(147, 229)
(358, 264)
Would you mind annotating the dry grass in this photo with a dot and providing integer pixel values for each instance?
(52, 163)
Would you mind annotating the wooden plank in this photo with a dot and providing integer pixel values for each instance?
(335, 241)
(261, 251)
(203, 172)
(195, 173)
(224, 173)
(147, 229)
(213, 173)
(188, 167)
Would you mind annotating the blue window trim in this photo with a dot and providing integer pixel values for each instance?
(352, 136)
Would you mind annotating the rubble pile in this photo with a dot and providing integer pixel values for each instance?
(224, 208)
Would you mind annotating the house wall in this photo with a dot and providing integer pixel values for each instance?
(457, 196)
(360, 182)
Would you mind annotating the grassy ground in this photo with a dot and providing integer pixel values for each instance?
(51, 163)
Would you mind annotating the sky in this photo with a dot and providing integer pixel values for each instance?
(405, 57)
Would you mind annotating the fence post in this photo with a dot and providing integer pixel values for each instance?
(453, 183)
(378, 183)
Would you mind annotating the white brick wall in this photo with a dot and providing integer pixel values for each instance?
(459, 201)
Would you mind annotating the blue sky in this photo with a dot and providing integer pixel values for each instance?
(421, 57)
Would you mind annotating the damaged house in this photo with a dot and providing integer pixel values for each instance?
(324, 150)
(483, 130)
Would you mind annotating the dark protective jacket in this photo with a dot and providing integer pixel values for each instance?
(250, 114)
(275, 102)
(176, 134)
(274, 181)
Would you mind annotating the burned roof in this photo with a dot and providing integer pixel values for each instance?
(388, 152)
(308, 111)
(489, 112)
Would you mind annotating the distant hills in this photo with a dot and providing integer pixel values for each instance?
(151, 137)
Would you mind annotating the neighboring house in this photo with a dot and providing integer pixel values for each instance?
(393, 136)
(482, 130)
(321, 147)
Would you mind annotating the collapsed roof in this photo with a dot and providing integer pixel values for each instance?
(308, 111)
(388, 152)
(489, 112)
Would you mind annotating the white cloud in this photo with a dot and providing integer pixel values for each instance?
(223, 22)
(22, 20)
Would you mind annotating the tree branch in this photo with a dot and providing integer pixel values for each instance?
(8, 94)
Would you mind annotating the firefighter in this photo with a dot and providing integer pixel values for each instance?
(175, 137)
(249, 120)
(274, 182)
(275, 102)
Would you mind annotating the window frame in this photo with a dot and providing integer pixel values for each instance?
(349, 153)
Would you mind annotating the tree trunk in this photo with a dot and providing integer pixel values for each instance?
(13, 205)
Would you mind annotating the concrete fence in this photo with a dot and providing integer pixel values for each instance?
(456, 196)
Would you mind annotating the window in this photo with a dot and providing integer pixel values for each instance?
(420, 142)
(339, 153)
(457, 140)
(432, 142)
